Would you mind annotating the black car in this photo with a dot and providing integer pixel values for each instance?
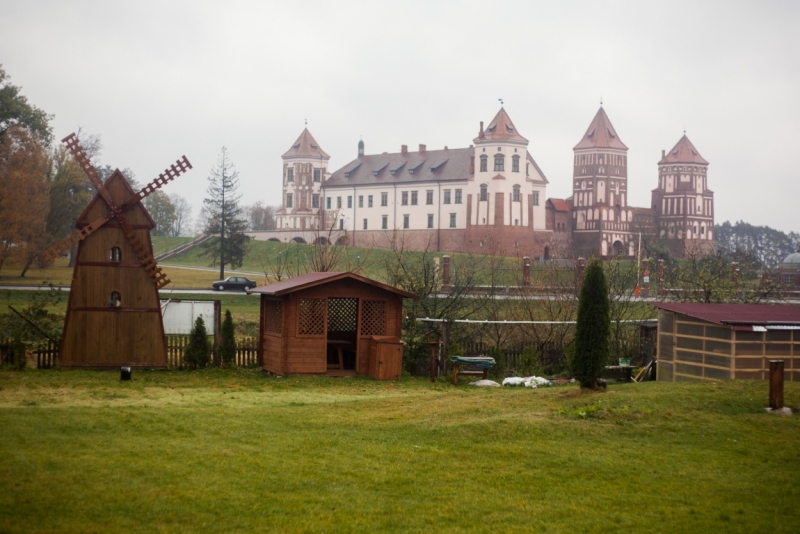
(234, 282)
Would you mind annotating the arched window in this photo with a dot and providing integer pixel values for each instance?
(515, 194)
(115, 300)
(484, 192)
(499, 162)
(116, 254)
(484, 164)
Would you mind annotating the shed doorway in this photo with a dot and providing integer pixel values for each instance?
(342, 334)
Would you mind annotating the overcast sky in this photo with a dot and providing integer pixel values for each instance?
(161, 79)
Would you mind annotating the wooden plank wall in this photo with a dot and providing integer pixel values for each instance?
(691, 349)
(307, 353)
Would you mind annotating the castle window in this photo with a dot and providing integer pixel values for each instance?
(446, 197)
(484, 164)
(535, 198)
(458, 196)
(516, 222)
(429, 197)
(430, 220)
(317, 174)
(360, 201)
(484, 193)
(515, 164)
(405, 221)
(116, 254)
(414, 198)
(338, 203)
(289, 199)
(314, 201)
(349, 201)
(499, 162)
(515, 194)
(369, 201)
(404, 198)
(115, 300)
(452, 220)
(290, 175)
(385, 222)
(341, 224)
(702, 230)
(365, 224)
(327, 202)
(384, 199)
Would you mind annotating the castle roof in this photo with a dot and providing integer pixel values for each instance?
(559, 204)
(501, 128)
(683, 152)
(601, 134)
(306, 146)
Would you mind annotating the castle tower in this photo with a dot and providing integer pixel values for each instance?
(602, 221)
(304, 168)
(505, 198)
(683, 203)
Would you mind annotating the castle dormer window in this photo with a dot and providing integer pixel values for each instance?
(116, 254)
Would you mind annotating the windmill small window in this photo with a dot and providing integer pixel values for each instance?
(116, 254)
(115, 300)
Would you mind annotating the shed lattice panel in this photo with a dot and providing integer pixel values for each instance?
(373, 318)
(342, 315)
(312, 317)
(273, 311)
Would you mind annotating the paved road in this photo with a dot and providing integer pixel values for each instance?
(164, 292)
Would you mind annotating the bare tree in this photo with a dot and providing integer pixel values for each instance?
(183, 215)
(260, 216)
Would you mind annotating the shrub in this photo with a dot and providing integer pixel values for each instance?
(226, 351)
(593, 328)
(500, 369)
(529, 363)
(197, 353)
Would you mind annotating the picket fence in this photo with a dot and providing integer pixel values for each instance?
(246, 352)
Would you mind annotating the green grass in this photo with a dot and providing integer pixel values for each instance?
(237, 451)
(165, 244)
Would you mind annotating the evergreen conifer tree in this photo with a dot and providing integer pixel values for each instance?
(593, 328)
(227, 347)
(198, 351)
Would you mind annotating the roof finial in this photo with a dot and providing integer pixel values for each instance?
(684, 129)
(501, 102)
(601, 101)
(306, 122)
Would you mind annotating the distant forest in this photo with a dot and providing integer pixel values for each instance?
(767, 244)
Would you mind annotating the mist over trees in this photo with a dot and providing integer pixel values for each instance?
(767, 244)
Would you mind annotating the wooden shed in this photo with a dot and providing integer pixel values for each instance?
(331, 323)
(726, 341)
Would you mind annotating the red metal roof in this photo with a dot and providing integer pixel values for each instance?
(501, 127)
(683, 152)
(558, 204)
(736, 314)
(305, 281)
(306, 146)
(601, 134)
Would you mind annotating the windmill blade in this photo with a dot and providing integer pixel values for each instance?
(149, 263)
(77, 151)
(55, 251)
(170, 173)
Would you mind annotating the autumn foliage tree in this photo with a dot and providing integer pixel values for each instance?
(24, 201)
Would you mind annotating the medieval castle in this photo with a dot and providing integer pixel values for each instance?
(492, 196)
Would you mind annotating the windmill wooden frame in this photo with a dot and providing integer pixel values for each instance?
(114, 313)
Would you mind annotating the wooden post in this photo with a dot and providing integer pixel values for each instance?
(446, 272)
(645, 278)
(776, 384)
(432, 339)
(526, 271)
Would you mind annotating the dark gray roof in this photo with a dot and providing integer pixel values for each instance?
(451, 164)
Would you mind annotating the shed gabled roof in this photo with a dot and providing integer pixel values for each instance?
(736, 314)
(601, 134)
(306, 146)
(309, 280)
(683, 152)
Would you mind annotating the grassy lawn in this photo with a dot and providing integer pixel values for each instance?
(238, 451)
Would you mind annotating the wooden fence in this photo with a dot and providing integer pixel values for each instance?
(246, 352)
(46, 355)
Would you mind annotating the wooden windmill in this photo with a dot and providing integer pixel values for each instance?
(114, 314)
